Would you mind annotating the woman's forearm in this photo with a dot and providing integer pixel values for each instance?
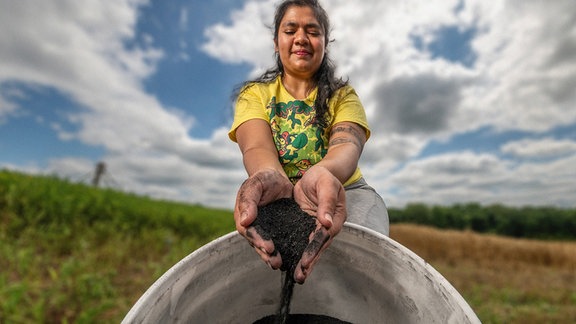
(344, 150)
(258, 159)
(258, 150)
(341, 161)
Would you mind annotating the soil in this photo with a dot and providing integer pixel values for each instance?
(289, 227)
(302, 319)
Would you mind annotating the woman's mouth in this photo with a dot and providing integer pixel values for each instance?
(301, 53)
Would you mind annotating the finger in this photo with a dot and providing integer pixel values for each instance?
(259, 239)
(273, 261)
(312, 251)
(264, 247)
(330, 198)
(247, 200)
(311, 254)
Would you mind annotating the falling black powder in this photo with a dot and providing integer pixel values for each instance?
(302, 319)
(289, 227)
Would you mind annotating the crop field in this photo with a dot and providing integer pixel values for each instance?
(70, 253)
(504, 280)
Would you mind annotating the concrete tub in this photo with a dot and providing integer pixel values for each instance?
(363, 277)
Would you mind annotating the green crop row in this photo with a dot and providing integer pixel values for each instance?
(71, 253)
(48, 202)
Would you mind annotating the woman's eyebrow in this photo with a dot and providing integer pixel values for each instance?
(313, 25)
(307, 26)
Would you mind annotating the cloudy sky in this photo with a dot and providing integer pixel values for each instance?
(467, 100)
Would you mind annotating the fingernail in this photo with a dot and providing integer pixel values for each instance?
(300, 278)
(328, 217)
(269, 264)
(243, 216)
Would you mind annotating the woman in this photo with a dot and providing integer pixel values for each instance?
(301, 132)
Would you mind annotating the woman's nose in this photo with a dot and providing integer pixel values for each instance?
(301, 38)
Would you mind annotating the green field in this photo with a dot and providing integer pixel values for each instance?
(70, 253)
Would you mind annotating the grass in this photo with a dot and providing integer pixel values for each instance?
(70, 253)
(504, 280)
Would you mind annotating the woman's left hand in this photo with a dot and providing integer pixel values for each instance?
(320, 194)
(260, 189)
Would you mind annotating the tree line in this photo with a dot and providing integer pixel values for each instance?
(520, 222)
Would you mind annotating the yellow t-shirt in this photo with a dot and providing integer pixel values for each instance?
(300, 143)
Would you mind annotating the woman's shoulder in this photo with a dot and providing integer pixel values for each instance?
(346, 92)
(260, 87)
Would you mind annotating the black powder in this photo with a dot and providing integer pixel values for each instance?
(302, 319)
(289, 227)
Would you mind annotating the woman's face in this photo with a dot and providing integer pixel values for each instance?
(300, 42)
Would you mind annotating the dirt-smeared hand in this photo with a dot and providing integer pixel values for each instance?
(260, 189)
(320, 194)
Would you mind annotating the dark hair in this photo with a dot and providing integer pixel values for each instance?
(324, 78)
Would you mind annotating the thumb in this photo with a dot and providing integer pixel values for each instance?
(330, 197)
(325, 218)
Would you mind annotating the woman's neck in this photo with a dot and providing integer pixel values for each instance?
(298, 88)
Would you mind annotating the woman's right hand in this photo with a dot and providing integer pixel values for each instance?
(260, 189)
(320, 194)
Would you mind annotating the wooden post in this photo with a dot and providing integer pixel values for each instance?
(100, 170)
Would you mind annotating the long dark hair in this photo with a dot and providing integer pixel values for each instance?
(324, 78)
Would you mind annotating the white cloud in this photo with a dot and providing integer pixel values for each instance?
(383, 154)
(204, 172)
(469, 177)
(248, 39)
(527, 65)
(73, 169)
(544, 148)
(7, 106)
(522, 78)
(80, 49)
(183, 21)
(173, 176)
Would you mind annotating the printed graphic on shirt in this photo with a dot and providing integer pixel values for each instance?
(299, 142)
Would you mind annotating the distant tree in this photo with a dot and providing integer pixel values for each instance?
(418, 213)
(528, 222)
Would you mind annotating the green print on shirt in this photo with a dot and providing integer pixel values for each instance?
(289, 110)
(299, 145)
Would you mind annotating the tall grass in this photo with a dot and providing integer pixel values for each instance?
(505, 280)
(70, 253)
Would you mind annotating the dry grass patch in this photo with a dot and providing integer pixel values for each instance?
(505, 280)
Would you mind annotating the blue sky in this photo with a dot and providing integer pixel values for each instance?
(467, 100)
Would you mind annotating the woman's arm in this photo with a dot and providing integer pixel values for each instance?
(266, 183)
(320, 192)
(263, 166)
(259, 152)
(345, 146)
